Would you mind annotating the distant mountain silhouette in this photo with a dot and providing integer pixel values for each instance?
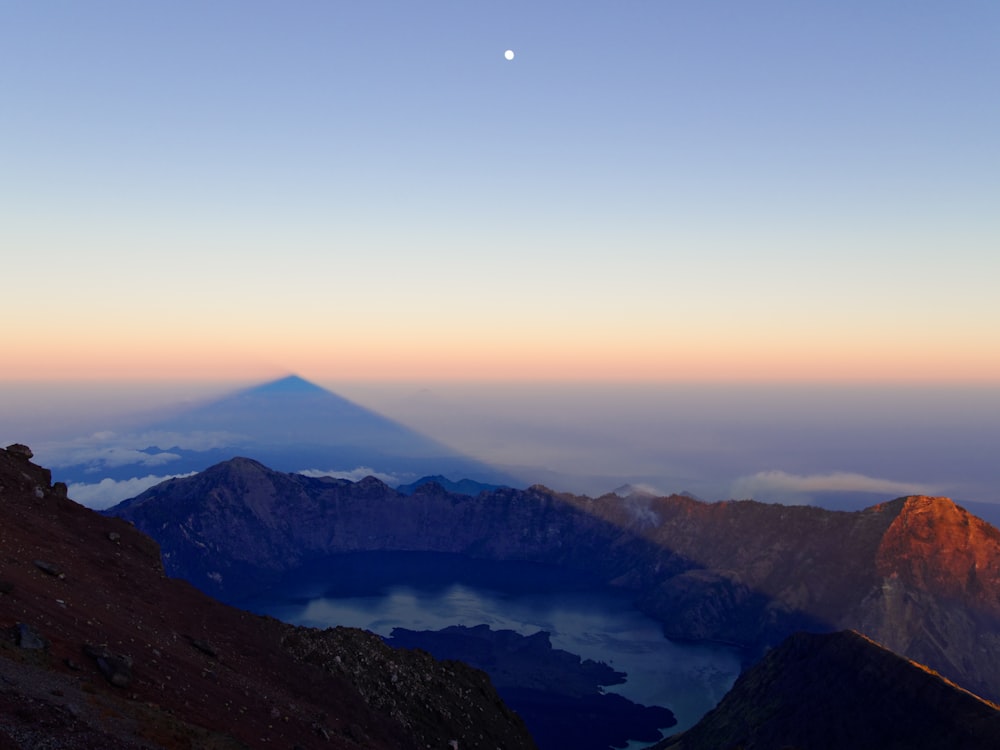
(842, 690)
(461, 487)
(292, 425)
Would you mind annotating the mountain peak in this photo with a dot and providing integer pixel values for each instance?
(937, 545)
(293, 384)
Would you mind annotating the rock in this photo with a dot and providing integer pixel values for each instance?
(116, 668)
(49, 568)
(6, 587)
(205, 647)
(20, 450)
(114, 536)
(29, 639)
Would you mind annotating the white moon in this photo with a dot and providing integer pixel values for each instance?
(509, 54)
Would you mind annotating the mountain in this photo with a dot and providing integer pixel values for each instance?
(461, 487)
(98, 648)
(291, 424)
(842, 690)
(918, 574)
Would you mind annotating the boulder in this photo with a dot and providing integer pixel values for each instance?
(20, 450)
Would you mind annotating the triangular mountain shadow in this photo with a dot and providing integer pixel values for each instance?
(290, 424)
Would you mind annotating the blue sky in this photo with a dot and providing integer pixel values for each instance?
(722, 190)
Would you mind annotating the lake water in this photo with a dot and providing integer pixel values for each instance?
(420, 591)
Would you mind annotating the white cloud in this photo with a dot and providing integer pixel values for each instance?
(109, 492)
(354, 475)
(782, 486)
(106, 450)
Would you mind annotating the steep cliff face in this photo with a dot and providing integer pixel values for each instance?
(918, 574)
(751, 572)
(98, 648)
(935, 546)
(938, 598)
(842, 690)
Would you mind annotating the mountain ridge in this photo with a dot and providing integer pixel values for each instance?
(868, 698)
(737, 572)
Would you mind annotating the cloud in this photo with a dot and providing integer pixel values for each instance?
(354, 475)
(108, 492)
(108, 450)
(782, 486)
(642, 513)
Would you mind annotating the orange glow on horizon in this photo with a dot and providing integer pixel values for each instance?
(219, 358)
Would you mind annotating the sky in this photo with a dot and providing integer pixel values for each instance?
(648, 191)
(734, 248)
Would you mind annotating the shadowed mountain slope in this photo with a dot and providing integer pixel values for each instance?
(918, 574)
(99, 649)
(291, 424)
(842, 690)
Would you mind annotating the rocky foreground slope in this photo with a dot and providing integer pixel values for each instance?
(842, 690)
(99, 649)
(918, 574)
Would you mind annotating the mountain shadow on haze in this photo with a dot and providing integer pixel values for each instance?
(290, 424)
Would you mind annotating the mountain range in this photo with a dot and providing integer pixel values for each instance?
(291, 424)
(918, 574)
(101, 649)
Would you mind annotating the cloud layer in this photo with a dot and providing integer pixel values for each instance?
(109, 450)
(108, 492)
(781, 486)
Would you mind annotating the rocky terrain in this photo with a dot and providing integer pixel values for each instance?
(842, 690)
(558, 695)
(918, 574)
(99, 648)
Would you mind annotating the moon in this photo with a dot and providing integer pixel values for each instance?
(509, 54)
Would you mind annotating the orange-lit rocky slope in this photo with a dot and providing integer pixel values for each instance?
(918, 574)
(99, 649)
(934, 545)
